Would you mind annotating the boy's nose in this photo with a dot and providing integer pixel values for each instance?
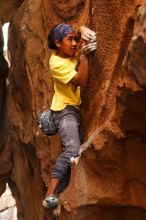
(74, 42)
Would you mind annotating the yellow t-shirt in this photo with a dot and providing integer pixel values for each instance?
(65, 92)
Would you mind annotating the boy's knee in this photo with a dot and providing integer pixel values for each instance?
(72, 153)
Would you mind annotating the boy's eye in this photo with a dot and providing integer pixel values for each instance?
(77, 37)
(71, 38)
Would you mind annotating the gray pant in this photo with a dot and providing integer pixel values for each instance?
(68, 123)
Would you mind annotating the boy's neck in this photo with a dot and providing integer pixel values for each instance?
(62, 55)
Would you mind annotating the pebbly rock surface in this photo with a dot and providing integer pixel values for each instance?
(109, 180)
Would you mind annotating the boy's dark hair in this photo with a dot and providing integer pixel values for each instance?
(51, 42)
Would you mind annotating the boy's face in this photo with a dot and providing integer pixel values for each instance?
(67, 47)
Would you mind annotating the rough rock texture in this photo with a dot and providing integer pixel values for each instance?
(109, 181)
(137, 53)
(8, 9)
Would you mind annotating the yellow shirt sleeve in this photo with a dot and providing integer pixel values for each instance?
(62, 70)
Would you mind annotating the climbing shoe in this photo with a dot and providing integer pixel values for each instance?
(50, 202)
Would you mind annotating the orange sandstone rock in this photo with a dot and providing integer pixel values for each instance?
(109, 181)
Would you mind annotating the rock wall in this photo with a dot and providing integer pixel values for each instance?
(109, 181)
(8, 9)
(5, 163)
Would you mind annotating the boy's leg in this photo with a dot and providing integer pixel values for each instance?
(52, 186)
(68, 122)
(68, 125)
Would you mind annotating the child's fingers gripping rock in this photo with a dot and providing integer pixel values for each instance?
(87, 34)
(87, 48)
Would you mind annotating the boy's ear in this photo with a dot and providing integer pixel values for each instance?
(58, 43)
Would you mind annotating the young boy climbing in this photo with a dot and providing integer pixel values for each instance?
(69, 72)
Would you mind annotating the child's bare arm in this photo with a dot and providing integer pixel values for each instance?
(80, 79)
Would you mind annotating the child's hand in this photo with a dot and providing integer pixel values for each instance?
(87, 34)
(87, 48)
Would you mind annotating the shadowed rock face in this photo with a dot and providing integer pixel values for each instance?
(3, 70)
(5, 161)
(8, 8)
(109, 181)
(137, 53)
